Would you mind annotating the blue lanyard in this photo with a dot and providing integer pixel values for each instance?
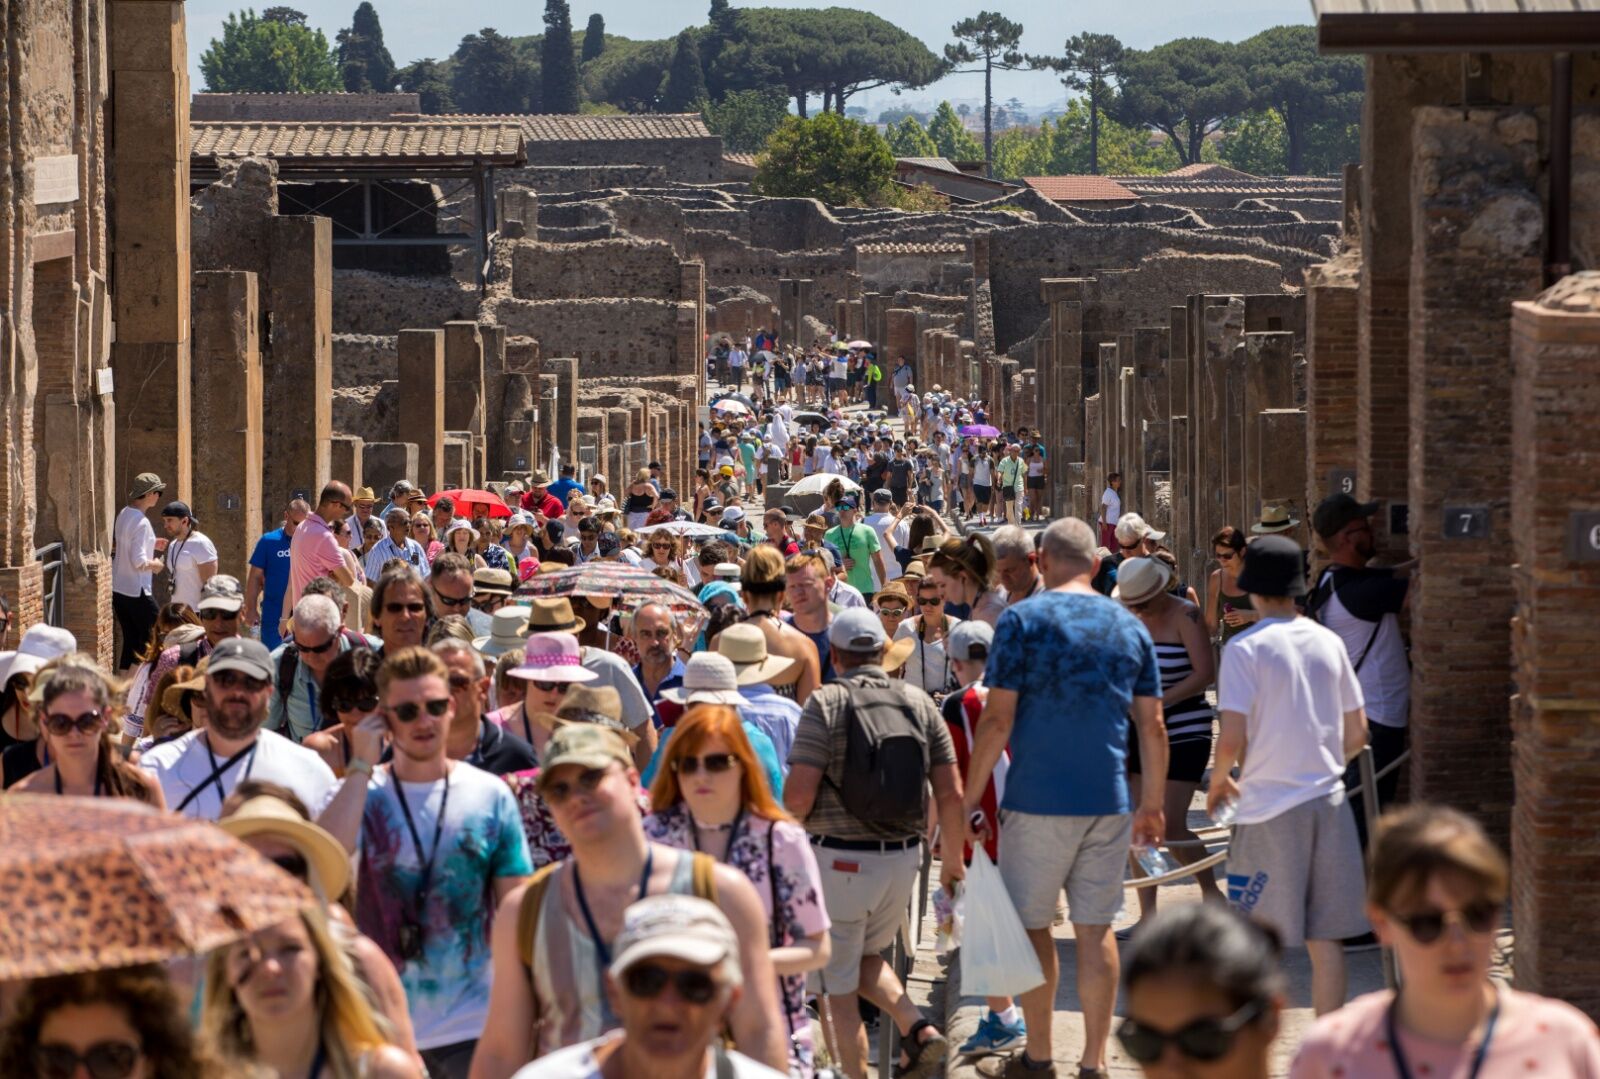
(602, 949)
(1403, 1069)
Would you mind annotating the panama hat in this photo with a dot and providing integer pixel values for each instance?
(553, 614)
(745, 646)
(325, 856)
(1140, 580)
(1275, 517)
(508, 632)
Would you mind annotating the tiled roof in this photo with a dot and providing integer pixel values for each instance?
(912, 249)
(1448, 7)
(1258, 186)
(369, 143)
(1079, 188)
(580, 127)
(940, 164)
(747, 160)
(1209, 170)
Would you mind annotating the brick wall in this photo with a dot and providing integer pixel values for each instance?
(645, 270)
(611, 336)
(1476, 247)
(1332, 372)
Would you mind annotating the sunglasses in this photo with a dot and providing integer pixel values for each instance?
(588, 781)
(315, 649)
(459, 681)
(354, 704)
(893, 610)
(1427, 926)
(58, 723)
(1204, 1039)
(715, 763)
(928, 601)
(410, 710)
(102, 1060)
(551, 687)
(1226, 556)
(405, 608)
(237, 679)
(451, 601)
(293, 864)
(646, 981)
(1129, 546)
(214, 615)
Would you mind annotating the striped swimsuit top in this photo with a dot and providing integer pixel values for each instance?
(1187, 720)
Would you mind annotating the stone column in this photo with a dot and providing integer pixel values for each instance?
(1280, 466)
(1094, 462)
(227, 413)
(1332, 374)
(299, 380)
(518, 412)
(1478, 216)
(1269, 384)
(1555, 491)
(382, 463)
(900, 336)
(494, 389)
(1152, 399)
(345, 459)
(464, 398)
(421, 402)
(794, 304)
(1061, 382)
(1111, 419)
(873, 308)
(565, 370)
(1218, 323)
(545, 427)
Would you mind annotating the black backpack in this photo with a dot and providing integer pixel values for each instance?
(885, 758)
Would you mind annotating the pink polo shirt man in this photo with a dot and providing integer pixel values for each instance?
(313, 553)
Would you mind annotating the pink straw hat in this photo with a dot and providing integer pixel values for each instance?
(552, 657)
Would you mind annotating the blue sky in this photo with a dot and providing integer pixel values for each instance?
(417, 28)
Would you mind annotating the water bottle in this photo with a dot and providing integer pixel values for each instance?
(1154, 861)
(1227, 810)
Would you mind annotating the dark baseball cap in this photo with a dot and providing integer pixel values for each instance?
(1336, 511)
(243, 654)
(668, 495)
(1273, 566)
(176, 508)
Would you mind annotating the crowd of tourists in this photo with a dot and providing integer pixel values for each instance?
(594, 782)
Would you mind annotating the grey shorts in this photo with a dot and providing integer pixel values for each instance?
(868, 895)
(1087, 855)
(1301, 872)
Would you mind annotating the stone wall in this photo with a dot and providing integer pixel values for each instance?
(372, 303)
(621, 267)
(689, 161)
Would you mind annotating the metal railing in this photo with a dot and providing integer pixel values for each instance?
(55, 596)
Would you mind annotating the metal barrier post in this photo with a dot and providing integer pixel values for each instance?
(1369, 811)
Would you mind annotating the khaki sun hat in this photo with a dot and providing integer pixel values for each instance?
(745, 646)
(325, 856)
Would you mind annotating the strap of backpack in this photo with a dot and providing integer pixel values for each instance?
(724, 1064)
(287, 665)
(528, 915)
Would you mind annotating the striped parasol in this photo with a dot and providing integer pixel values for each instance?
(618, 584)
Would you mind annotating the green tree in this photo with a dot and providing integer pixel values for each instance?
(895, 113)
(1187, 89)
(1088, 64)
(1063, 147)
(1289, 76)
(426, 78)
(992, 41)
(490, 74)
(685, 89)
(910, 139)
(272, 52)
(747, 118)
(828, 157)
(559, 72)
(629, 74)
(1022, 151)
(1254, 143)
(950, 135)
(594, 37)
(721, 25)
(364, 63)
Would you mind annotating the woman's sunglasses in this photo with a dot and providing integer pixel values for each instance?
(1427, 926)
(715, 763)
(550, 687)
(58, 724)
(646, 981)
(1204, 1039)
(410, 710)
(102, 1060)
(892, 610)
(354, 704)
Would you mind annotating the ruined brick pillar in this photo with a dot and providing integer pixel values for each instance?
(1268, 384)
(382, 463)
(841, 319)
(1280, 470)
(1094, 461)
(900, 338)
(1332, 375)
(1477, 247)
(421, 402)
(1555, 510)
(565, 370)
(227, 416)
(518, 414)
(545, 427)
(873, 307)
(149, 172)
(1151, 399)
(345, 459)
(299, 380)
(794, 304)
(464, 397)
(1216, 325)
(1111, 421)
(494, 391)
(1060, 379)
(690, 331)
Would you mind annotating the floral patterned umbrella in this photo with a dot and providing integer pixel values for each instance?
(96, 883)
(619, 584)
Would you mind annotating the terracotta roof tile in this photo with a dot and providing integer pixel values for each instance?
(581, 127)
(912, 249)
(1079, 188)
(362, 142)
(1210, 170)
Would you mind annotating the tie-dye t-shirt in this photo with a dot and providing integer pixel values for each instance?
(448, 986)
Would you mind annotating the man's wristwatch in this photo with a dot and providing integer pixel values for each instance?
(356, 764)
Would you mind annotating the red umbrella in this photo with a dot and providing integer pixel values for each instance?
(472, 502)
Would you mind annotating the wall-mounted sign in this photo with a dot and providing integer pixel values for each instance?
(1466, 522)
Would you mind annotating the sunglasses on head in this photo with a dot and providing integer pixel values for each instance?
(58, 723)
(410, 710)
(1427, 926)
(1204, 1039)
(551, 687)
(102, 1060)
(212, 614)
(354, 704)
(646, 981)
(588, 781)
(715, 763)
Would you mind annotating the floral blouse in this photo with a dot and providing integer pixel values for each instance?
(497, 557)
(546, 844)
(791, 880)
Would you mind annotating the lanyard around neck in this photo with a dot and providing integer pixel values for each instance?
(416, 837)
(1403, 1068)
(602, 949)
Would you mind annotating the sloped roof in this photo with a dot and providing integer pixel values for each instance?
(940, 164)
(1080, 188)
(360, 143)
(1209, 170)
(1457, 25)
(580, 127)
(747, 160)
(912, 249)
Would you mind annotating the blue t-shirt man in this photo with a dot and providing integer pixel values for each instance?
(564, 487)
(1075, 662)
(271, 557)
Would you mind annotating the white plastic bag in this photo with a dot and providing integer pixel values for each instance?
(997, 959)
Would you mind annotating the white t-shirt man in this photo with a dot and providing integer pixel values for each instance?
(1293, 682)
(737, 359)
(184, 767)
(841, 367)
(135, 541)
(580, 1062)
(1110, 506)
(889, 537)
(184, 559)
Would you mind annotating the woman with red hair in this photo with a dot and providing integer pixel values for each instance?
(709, 795)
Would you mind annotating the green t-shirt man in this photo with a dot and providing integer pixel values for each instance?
(857, 544)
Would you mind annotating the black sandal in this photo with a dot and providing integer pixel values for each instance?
(923, 1057)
